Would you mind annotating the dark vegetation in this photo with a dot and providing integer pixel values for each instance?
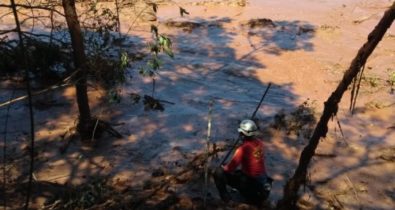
(49, 61)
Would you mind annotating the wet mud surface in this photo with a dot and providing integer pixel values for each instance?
(228, 54)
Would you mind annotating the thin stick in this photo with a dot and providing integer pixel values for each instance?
(52, 25)
(53, 87)
(96, 124)
(94, 129)
(354, 83)
(341, 130)
(260, 102)
(4, 153)
(210, 108)
(357, 91)
(153, 87)
(354, 190)
(118, 18)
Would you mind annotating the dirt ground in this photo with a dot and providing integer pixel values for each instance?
(225, 52)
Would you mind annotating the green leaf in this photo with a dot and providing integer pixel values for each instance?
(154, 64)
(161, 40)
(165, 41)
(183, 11)
(124, 60)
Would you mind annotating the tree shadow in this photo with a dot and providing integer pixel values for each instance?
(361, 166)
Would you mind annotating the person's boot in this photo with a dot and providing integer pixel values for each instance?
(225, 196)
(220, 183)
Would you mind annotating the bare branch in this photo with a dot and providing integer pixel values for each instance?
(40, 7)
(34, 18)
(25, 33)
(65, 82)
(2, 32)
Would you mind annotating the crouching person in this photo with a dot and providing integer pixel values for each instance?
(251, 181)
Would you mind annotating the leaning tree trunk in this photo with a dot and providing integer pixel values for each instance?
(31, 114)
(85, 121)
(331, 106)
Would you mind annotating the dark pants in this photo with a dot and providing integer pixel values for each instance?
(254, 190)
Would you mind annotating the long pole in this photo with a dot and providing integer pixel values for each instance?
(210, 108)
(252, 117)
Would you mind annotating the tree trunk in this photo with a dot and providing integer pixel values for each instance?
(84, 124)
(331, 106)
(26, 68)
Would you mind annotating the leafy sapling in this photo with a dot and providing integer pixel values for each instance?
(160, 44)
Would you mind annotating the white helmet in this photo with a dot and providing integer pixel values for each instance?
(248, 128)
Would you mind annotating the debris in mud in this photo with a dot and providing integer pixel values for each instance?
(189, 26)
(388, 154)
(299, 121)
(137, 56)
(45, 104)
(158, 172)
(151, 103)
(259, 23)
(135, 98)
(186, 26)
(304, 204)
(84, 196)
(374, 105)
(328, 27)
(305, 29)
(239, 3)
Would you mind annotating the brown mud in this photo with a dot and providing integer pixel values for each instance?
(227, 52)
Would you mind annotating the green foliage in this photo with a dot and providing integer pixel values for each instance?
(372, 81)
(84, 196)
(391, 76)
(98, 24)
(114, 96)
(42, 56)
(7, 57)
(46, 61)
(161, 44)
(109, 73)
(165, 44)
(100, 20)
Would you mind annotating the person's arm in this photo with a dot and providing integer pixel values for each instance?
(236, 160)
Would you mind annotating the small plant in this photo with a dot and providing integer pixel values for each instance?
(99, 25)
(391, 80)
(372, 81)
(161, 44)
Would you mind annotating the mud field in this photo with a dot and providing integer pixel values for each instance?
(226, 52)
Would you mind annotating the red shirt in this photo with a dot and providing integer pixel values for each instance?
(250, 156)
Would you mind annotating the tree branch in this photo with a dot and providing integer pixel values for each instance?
(29, 93)
(33, 7)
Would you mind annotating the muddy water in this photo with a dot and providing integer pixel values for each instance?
(303, 53)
